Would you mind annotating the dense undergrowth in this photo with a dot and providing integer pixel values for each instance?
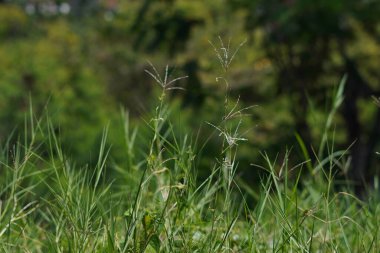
(158, 204)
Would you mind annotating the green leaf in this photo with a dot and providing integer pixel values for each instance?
(155, 242)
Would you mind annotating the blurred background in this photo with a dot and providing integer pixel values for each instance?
(83, 61)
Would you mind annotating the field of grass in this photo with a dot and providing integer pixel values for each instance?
(158, 204)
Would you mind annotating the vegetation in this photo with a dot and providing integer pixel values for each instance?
(158, 205)
(248, 144)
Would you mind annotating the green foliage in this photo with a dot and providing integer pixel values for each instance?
(48, 204)
(295, 52)
(52, 72)
(13, 21)
(174, 173)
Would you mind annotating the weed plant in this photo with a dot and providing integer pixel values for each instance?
(48, 204)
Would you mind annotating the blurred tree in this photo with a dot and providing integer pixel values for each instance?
(13, 21)
(164, 25)
(303, 39)
(194, 95)
(80, 8)
(143, 30)
(295, 51)
(51, 70)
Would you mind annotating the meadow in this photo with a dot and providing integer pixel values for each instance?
(159, 204)
(189, 126)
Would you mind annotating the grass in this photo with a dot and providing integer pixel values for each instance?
(157, 204)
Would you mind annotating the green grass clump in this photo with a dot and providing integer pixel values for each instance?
(158, 204)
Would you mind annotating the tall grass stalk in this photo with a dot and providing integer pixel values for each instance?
(229, 130)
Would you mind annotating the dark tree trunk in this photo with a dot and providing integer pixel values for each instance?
(135, 28)
(362, 149)
(194, 95)
(351, 117)
(373, 140)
